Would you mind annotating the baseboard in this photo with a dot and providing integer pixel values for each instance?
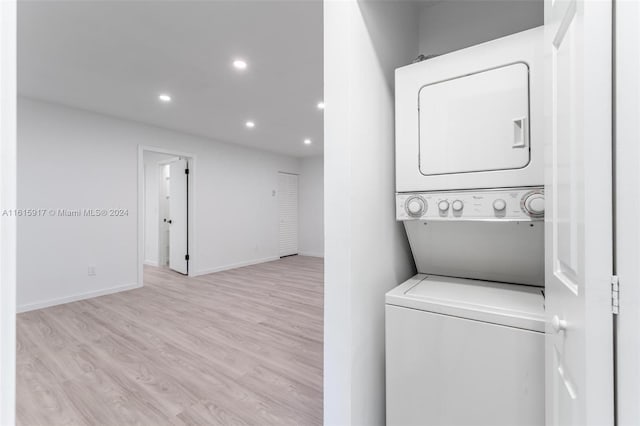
(311, 254)
(74, 298)
(235, 265)
(152, 263)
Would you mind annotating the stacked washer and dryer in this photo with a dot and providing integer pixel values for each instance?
(465, 336)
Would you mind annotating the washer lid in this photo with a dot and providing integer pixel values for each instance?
(498, 303)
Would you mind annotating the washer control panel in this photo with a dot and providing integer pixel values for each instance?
(519, 204)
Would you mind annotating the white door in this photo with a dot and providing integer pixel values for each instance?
(288, 212)
(178, 228)
(579, 346)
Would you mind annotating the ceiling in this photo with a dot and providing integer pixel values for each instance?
(116, 57)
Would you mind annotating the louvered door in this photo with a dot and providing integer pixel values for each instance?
(288, 213)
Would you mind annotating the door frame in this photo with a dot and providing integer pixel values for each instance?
(191, 206)
(8, 173)
(627, 208)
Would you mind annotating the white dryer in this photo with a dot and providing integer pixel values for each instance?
(472, 118)
(464, 352)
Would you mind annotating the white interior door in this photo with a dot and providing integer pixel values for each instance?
(178, 228)
(288, 212)
(579, 346)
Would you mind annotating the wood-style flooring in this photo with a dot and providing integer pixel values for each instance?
(236, 347)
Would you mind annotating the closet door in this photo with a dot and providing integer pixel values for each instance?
(578, 218)
(288, 213)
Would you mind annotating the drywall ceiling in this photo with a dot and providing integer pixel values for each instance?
(116, 57)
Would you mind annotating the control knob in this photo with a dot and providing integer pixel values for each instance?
(443, 205)
(457, 205)
(533, 204)
(416, 206)
(499, 205)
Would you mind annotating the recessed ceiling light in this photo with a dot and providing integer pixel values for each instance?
(164, 97)
(307, 141)
(250, 124)
(320, 105)
(240, 64)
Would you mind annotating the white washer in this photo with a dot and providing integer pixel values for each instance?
(464, 352)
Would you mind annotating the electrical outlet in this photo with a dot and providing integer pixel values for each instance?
(92, 270)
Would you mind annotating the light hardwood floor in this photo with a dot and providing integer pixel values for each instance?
(235, 347)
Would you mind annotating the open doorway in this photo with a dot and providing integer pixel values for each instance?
(165, 222)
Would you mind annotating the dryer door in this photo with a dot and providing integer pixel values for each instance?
(478, 122)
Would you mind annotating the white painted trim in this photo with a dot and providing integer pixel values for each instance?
(311, 254)
(236, 265)
(151, 263)
(8, 171)
(74, 298)
(192, 207)
(167, 161)
(627, 196)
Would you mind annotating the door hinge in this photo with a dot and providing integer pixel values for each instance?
(615, 294)
(186, 171)
(186, 257)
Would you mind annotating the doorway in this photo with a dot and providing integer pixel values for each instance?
(165, 199)
(164, 214)
(288, 214)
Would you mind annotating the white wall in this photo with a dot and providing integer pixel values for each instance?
(152, 180)
(366, 249)
(7, 202)
(311, 206)
(627, 157)
(69, 158)
(451, 25)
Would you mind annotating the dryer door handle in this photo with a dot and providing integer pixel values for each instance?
(520, 132)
